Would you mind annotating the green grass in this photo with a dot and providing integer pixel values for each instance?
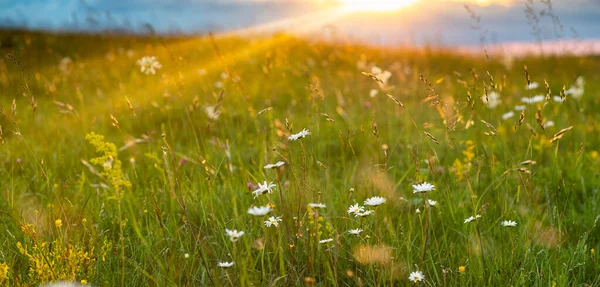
(189, 175)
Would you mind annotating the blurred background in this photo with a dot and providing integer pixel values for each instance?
(452, 23)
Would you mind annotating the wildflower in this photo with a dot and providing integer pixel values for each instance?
(462, 269)
(259, 210)
(326, 240)
(273, 221)
(356, 209)
(58, 223)
(218, 84)
(364, 213)
(149, 65)
(471, 218)
(533, 100)
(225, 264)
(211, 112)
(382, 75)
(431, 202)
(275, 165)
(492, 100)
(509, 223)
(548, 124)
(355, 231)
(508, 115)
(263, 188)
(317, 205)
(417, 211)
(375, 201)
(520, 108)
(303, 133)
(423, 187)
(558, 99)
(532, 86)
(373, 93)
(234, 235)
(416, 276)
(3, 272)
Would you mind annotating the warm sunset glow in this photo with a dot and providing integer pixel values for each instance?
(376, 5)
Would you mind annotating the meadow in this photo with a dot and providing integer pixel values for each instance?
(342, 164)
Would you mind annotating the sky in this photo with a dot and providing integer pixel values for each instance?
(427, 22)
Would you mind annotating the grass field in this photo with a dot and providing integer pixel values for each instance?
(113, 177)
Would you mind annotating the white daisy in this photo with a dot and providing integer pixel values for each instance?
(326, 240)
(375, 201)
(423, 187)
(259, 210)
(273, 221)
(471, 218)
(274, 165)
(417, 211)
(431, 202)
(373, 93)
(509, 223)
(558, 99)
(355, 231)
(211, 112)
(317, 205)
(149, 65)
(364, 213)
(508, 115)
(303, 133)
(532, 86)
(225, 264)
(520, 108)
(264, 188)
(548, 124)
(234, 235)
(382, 75)
(492, 100)
(416, 276)
(356, 209)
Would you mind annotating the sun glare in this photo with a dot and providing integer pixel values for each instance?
(376, 5)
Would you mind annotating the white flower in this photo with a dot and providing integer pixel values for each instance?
(273, 221)
(548, 124)
(558, 99)
(218, 84)
(382, 75)
(303, 133)
(149, 65)
(274, 165)
(471, 218)
(234, 235)
(417, 211)
(317, 205)
(533, 100)
(225, 264)
(259, 210)
(355, 231)
(224, 75)
(492, 100)
(326, 240)
(263, 188)
(532, 86)
(375, 201)
(431, 202)
(356, 209)
(508, 115)
(416, 276)
(187, 255)
(520, 108)
(373, 93)
(423, 187)
(211, 112)
(509, 223)
(364, 213)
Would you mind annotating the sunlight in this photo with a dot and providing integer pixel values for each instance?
(376, 5)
